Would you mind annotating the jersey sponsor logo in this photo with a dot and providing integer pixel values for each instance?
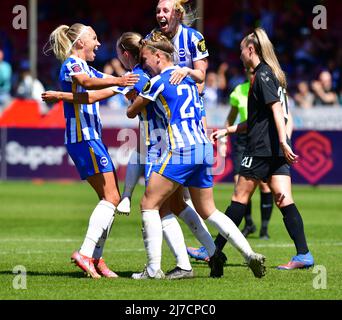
(104, 161)
(181, 53)
(76, 68)
(201, 46)
(147, 87)
(247, 162)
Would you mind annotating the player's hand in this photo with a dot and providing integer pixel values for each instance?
(290, 156)
(51, 96)
(131, 95)
(127, 80)
(178, 75)
(218, 134)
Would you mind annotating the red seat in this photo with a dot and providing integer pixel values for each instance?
(54, 118)
(21, 113)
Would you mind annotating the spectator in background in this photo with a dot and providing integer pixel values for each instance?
(304, 98)
(235, 77)
(30, 88)
(215, 84)
(324, 95)
(5, 81)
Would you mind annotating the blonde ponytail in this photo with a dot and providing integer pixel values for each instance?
(264, 48)
(63, 38)
(188, 17)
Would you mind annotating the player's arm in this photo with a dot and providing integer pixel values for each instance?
(79, 98)
(232, 115)
(289, 125)
(136, 107)
(237, 128)
(278, 115)
(197, 73)
(222, 147)
(88, 83)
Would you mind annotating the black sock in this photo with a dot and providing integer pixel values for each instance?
(235, 212)
(266, 207)
(248, 214)
(294, 225)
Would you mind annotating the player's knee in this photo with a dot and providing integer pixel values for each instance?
(144, 203)
(264, 188)
(241, 197)
(114, 198)
(282, 199)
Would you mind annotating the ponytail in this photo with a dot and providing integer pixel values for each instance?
(63, 38)
(188, 17)
(265, 50)
(131, 42)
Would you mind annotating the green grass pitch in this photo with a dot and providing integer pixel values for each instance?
(42, 224)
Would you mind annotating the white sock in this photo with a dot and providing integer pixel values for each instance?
(187, 198)
(189, 203)
(133, 172)
(98, 223)
(100, 244)
(153, 239)
(173, 235)
(230, 231)
(199, 229)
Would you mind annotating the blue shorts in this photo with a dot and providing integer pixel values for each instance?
(151, 159)
(90, 157)
(190, 167)
(148, 171)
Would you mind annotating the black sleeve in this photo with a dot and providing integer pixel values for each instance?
(267, 87)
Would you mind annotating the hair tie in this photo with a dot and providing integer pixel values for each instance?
(78, 37)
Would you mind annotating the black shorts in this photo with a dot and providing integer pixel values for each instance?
(238, 151)
(261, 168)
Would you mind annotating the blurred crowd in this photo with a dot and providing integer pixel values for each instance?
(312, 59)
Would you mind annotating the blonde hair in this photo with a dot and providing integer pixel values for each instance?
(63, 38)
(158, 42)
(188, 16)
(265, 50)
(131, 42)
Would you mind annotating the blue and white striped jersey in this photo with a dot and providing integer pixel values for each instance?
(83, 121)
(179, 109)
(151, 125)
(190, 46)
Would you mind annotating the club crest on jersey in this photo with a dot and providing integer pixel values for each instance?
(147, 87)
(201, 46)
(76, 68)
(104, 161)
(181, 53)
